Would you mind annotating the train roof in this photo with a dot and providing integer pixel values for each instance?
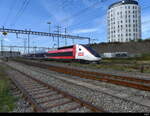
(65, 47)
(72, 46)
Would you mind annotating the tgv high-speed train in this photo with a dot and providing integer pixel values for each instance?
(80, 53)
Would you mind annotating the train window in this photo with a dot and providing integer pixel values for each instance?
(92, 51)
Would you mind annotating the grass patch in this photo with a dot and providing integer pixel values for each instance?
(131, 67)
(7, 101)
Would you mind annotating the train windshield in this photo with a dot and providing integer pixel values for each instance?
(92, 51)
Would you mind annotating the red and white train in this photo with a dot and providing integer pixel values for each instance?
(81, 53)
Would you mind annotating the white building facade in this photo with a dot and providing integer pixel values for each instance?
(124, 21)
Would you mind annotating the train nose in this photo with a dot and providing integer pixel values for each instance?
(97, 58)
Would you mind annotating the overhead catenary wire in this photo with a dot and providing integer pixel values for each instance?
(81, 11)
(21, 11)
(12, 5)
(86, 22)
(24, 2)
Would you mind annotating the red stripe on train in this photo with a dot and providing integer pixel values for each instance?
(62, 57)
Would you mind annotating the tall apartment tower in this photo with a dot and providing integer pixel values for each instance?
(124, 21)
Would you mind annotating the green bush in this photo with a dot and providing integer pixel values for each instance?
(7, 101)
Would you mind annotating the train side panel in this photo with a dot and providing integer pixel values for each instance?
(68, 53)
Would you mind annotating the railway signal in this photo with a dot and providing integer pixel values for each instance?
(5, 33)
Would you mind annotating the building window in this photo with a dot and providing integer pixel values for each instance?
(136, 24)
(129, 25)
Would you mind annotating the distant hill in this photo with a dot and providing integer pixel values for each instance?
(133, 48)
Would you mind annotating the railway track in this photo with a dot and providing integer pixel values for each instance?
(45, 98)
(113, 79)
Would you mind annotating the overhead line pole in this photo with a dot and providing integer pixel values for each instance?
(2, 47)
(28, 43)
(65, 37)
(58, 31)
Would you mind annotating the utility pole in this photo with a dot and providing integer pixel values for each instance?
(49, 23)
(28, 43)
(73, 41)
(2, 47)
(58, 31)
(65, 37)
(25, 41)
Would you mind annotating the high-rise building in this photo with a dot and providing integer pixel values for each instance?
(124, 21)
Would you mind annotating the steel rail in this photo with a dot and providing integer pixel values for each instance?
(37, 106)
(94, 75)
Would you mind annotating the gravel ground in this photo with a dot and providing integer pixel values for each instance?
(25, 108)
(62, 107)
(108, 102)
(119, 91)
(21, 104)
(107, 71)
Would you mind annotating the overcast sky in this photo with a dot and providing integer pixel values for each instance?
(80, 17)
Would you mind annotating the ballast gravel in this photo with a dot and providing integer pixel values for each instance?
(107, 102)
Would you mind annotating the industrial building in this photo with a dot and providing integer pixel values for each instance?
(124, 21)
(9, 54)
